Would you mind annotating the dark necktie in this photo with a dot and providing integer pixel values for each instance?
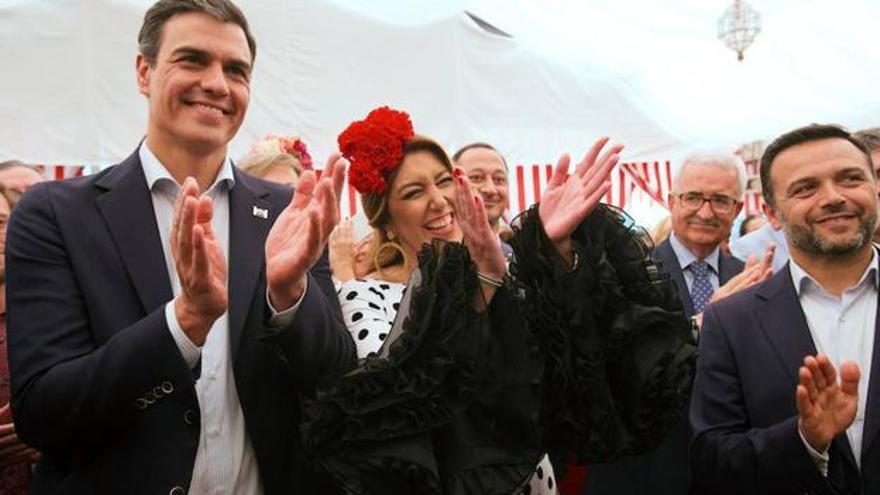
(701, 288)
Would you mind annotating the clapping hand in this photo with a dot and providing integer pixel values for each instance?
(200, 264)
(569, 199)
(341, 247)
(481, 241)
(826, 408)
(753, 273)
(300, 233)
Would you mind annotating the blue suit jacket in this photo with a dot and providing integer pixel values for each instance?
(743, 409)
(86, 289)
(728, 267)
(665, 470)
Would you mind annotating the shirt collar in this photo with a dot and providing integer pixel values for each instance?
(802, 279)
(155, 172)
(686, 257)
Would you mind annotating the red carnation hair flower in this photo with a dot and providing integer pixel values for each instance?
(374, 146)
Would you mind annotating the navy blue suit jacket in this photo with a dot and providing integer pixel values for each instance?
(86, 289)
(665, 470)
(743, 409)
(728, 267)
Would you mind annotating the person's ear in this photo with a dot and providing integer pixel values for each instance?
(143, 70)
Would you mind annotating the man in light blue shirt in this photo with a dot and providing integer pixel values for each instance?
(756, 244)
(786, 394)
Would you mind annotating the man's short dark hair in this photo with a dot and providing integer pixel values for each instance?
(150, 35)
(812, 132)
(457, 156)
(16, 163)
(871, 138)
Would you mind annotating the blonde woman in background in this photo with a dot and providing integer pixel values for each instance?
(662, 230)
(280, 159)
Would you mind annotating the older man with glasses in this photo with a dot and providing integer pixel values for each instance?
(706, 197)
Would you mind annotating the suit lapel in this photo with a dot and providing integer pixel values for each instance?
(872, 406)
(728, 267)
(784, 324)
(667, 257)
(247, 235)
(127, 207)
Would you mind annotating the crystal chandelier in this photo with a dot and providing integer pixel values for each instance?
(738, 27)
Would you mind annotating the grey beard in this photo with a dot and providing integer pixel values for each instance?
(806, 239)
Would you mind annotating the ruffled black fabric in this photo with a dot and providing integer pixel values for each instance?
(618, 355)
(451, 406)
(589, 366)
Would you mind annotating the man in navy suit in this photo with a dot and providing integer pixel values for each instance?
(167, 314)
(768, 411)
(706, 197)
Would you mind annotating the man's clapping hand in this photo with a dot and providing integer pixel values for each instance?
(200, 264)
(825, 407)
(298, 237)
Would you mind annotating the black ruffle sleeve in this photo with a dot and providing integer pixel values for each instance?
(450, 406)
(617, 351)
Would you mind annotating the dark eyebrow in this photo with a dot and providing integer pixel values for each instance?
(239, 64)
(191, 50)
(850, 170)
(416, 183)
(400, 190)
(801, 182)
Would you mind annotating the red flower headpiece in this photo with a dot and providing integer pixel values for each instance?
(374, 147)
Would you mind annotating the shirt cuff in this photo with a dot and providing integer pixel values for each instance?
(819, 458)
(190, 352)
(284, 318)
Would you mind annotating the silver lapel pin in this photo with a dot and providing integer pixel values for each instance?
(261, 212)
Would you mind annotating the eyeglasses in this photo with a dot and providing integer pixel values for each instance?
(718, 202)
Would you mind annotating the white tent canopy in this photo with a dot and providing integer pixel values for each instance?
(319, 66)
(651, 74)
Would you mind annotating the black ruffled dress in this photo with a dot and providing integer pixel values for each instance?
(588, 365)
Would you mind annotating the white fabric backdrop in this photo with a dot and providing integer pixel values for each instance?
(651, 74)
(70, 85)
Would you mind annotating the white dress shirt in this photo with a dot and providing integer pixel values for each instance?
(686, 257)
(843, 329)
(756, 243)
(225, 460)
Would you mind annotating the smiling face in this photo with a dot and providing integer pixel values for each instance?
(488, 175)
(825, 198)
(420, 202)
(199, 86)
(702, 229)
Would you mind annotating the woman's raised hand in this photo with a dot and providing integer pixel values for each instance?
(568, 199)
(481, 241)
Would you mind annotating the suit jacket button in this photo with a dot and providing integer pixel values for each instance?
(157, 392)
(177, 490)
(167, 387)
(141, 403)
(189, 417)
